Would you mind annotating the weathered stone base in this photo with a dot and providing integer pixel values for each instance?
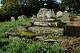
(46, 30)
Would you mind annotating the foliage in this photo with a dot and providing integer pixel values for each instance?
(6, 26)
(17, 45)
(17, 7)
(10, 7)
(72, 4)
(3, 2)
(22, 45)
(32, 3)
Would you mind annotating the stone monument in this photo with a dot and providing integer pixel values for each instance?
(45, 23)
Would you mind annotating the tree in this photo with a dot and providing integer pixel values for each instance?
(3, 2)
(10, 7)
(33, 5)
(72, 4)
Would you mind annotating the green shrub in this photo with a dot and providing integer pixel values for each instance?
(10, 7)
(6, 26)
(17, 45)
(55, 48)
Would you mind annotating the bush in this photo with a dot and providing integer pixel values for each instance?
(6, 26)
(10, 7)
(17, 45)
